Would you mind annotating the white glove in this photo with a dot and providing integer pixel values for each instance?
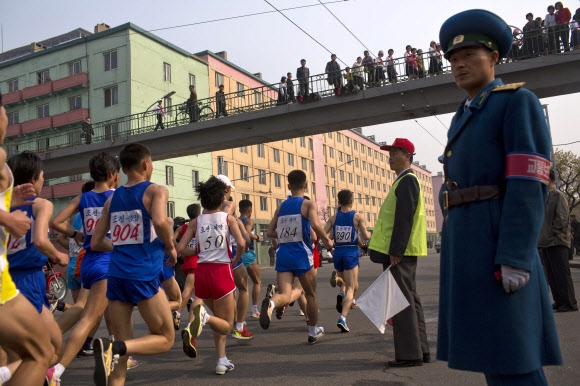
(513, 279)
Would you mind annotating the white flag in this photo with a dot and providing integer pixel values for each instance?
(382, 300)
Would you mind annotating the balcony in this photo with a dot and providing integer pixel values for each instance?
(36, 124)
(70, 83)
(12, 98)
(66, 189)
(70, 117)
(35, 92)
(14, 130)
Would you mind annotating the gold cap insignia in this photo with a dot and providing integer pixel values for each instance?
(458, 39)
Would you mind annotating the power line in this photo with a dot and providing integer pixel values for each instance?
(565, 144)
(427, 131)
(307, 34)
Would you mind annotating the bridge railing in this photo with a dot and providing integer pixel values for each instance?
(526, 45)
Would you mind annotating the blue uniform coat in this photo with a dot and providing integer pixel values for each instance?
(481, 327)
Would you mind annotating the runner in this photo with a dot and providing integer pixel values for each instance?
(291, 226)
(249, 257)
(344, 226)
(171, 287)
(18, 319)
(27, 255)
(215, 283)
(104, 170)
(140, 237)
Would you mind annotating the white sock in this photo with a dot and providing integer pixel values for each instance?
(112, 338)
(312, 330)
(255, 308)
(204, 317)
(5, 374)
(188, 324)
(178, 314)
(58, 370)
(343, 317)
(272, 304)
(223, 361)
(239, 326)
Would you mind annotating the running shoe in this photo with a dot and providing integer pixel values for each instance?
(307, 321)
(188, 343)
(270, 291)
(104, 361)
(266, 313)
(255, 314)
(51, 379)
(189, 302)
(132, 363)
(221, 369)
(84, 352)
(243, 334)
(319, 334)
(353, 306)
(342, 325)
(53, 306)
(176, 322)
(333, 279)
(301, 313)
(339, 298)
(280, 311)
(200, 314)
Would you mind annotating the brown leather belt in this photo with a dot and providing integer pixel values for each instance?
(457, 197)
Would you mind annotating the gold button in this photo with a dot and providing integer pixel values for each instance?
(449, 153)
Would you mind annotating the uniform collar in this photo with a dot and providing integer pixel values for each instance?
(481, 97)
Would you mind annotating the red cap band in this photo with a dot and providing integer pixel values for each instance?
(528, 167)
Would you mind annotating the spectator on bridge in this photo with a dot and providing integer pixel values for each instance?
(380, 69)
(532, 33)
(563, 17)
(551, 26)
(160, 114)
(575, 30)
(349, 79)
(439, 55)
(420, 63)
(303, 76)
(432, 58)
(391, 71)
(192, 108)
(412, 65)
(369, 65)
(334, 75)
(282, 92)
(358, 73)
(220, 102)
(515, 51)
(290, 88)
(88, 131)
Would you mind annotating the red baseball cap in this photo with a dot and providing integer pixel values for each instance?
(402, 143)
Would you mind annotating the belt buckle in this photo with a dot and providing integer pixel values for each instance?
(445, 200)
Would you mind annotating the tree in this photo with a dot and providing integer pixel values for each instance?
(568, 168)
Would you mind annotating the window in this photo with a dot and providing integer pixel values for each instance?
(192, 80)
(333, 192)
(340, 156)
(347, 140)
(330, 135)
(43, 77)
(12, 150)
(364, 165)
(13, 85)
(240, 89)
(369, 151)
(74, 67)
(367, 199)
(245, 196)
(278, 202)
(383, 172)
(261, 151)
(42, 111)
(169, 175)
(290, 140)
(257, 97)
(370, 169)
(170, 209)
(110, 60)
(75, 177)
(302, 142)
(277, 180)
(312, 166)
(225, 168)
(350, 178)
(111, 131)
(327, 193)
(75, 102)
(372, 184)
(290, 159)
(313, 188)
(306, 188)
(167, 106)
(263, 204)
(374, 217)
(310, 144)
(324, 150)
(360, 199)
(219, 79)
(338, 139)
(379, 186)
(341, 174)
(358, 180)
(366, 183)
(356, 162)
(304, 163)
(244, 149)
(332, 172)
(276, 155)
(376, 170)
(355, 145)
(244, 173)
(325, 171)
(42, 144)
(368, 217)
(194, 178)
(13, 118)
(376, 154)
(111, 96)
(167, 72)
(261, 177)
(331, 152)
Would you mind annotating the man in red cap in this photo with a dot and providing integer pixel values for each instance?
(398, 239)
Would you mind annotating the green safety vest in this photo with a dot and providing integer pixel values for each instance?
(383, 231)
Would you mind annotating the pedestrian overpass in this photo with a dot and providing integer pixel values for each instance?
(262, 121)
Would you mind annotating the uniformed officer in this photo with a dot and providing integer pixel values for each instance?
(495, 314)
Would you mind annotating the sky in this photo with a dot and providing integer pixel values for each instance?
(270, 44)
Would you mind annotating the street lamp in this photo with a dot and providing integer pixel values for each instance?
(335, 177)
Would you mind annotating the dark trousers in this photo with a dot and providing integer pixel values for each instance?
(564, 35)
(557, 270)
(303, 86)
(159, 122)
(409, 331)
(553, 40)
(359, 81)
(88, 138)
(193, 112)
(221, 109)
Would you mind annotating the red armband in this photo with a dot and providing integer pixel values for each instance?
(528, 166)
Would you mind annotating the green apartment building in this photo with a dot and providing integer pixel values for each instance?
(114, 72)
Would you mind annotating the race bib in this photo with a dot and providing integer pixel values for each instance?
(91, 219)
(343, 234)
(212, 237)
(127, 227)
(290, 228)
(16, 245)
(192, 244)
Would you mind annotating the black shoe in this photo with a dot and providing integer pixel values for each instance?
(566, 308)
(339, 298)
(408, 363)
(427, 358)
(555, 306)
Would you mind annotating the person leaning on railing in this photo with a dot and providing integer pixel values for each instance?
(358, 73)
(563, 17)
(532, 30)
(552, 26)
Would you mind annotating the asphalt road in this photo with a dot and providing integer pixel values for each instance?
(282, 356)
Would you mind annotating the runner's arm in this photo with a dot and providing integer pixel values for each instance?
(60, 222)
(236, 231)
(182, 247)
(100, 241)
(271, 232)
(42, 211)
(360, 226)
(310, 208)
(159, 219)
(249, 226)
(62, 240)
